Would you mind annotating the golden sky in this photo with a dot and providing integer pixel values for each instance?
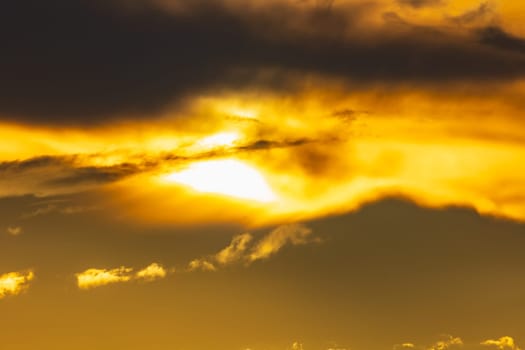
(263, 175)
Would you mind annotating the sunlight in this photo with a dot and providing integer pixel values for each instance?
(231, 178)
(219, 140)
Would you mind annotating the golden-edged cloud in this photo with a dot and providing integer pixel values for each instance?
(243, 249)
(446, 343)
(95, 277)
(503, 343)
(152, 272)
(201, 265)
(358, 123)
(295, 234)
(92, 278)
(235, 251)
(14, 283)
(405, 346)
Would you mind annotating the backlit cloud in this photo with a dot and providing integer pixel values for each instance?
(92, 278)
(235, 251)
(503, 343)
(14, 283)
(152, 272)
(201, 265)
(295, 234)
(242, 248)
(447, 342)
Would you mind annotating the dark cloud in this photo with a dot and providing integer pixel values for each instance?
(420, 3)
(71, 174)
(498, 38)
(269, 144)
(49, 174)
(483, 12)
(94, 175)
(11, 167)
(80, 62)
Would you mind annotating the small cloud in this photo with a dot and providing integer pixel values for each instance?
(447, 343)
(294, 234)
(14, 230)
(235, 250)
(151, 273)
(14, 283)
(503, 343)
(404, 346)
(201, 265)
(297, 346)
(93, 278)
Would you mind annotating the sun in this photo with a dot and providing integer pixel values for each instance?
(229, 177)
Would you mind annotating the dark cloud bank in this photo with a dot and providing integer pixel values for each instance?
(79, 62)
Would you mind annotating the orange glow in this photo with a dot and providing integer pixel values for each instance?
(313, 154)
(226, 177)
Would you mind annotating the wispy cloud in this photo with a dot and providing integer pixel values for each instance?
(235, 251)
(14, 283)
(95, 277)
(294, 234)
(297, 346)
(14, 230)
(503, 343)
(201, 265)
(92, 278)
(242, 248)
(447, 342)
(152, 272)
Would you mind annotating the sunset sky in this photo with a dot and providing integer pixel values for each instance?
(262, 174)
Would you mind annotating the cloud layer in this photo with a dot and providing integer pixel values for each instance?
(85, 61)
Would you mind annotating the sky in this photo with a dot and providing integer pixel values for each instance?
(262, 174)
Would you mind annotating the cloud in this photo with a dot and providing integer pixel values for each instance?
(483, 13)
(404, 346)
(63, 174)
(201, 265)
(235, 251)
(152, 272)
(497, 37)
(297, 346)
(59, 174)
(14, 283)
(92, 278)
(294, 234)
(14, 230)
(243, 249)
(503, 343)
(447, 343)
(113, 61)
(420, 3)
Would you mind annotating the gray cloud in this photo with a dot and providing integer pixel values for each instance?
(421, 3)
(81, 62)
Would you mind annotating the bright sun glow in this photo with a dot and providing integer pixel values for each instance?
(226, 177)
(219, 140)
